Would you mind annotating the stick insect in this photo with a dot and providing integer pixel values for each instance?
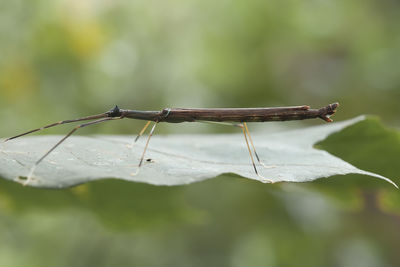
(233, 116)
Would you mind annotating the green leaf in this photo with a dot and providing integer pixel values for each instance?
(177, 159)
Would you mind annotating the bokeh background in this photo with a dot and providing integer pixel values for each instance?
(69, 58)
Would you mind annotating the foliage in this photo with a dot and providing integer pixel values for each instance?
(67, 58)
(222, 221)
(174, 160)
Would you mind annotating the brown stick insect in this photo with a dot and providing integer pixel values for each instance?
(233, 116)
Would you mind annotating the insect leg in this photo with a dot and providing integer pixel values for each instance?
(222, 123)
(29, 177)
(254, 149)
(58, 123)
(245, 128)
(139, 135)
(145, 148)
(264, 179)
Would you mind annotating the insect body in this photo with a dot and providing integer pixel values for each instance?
(232, 116)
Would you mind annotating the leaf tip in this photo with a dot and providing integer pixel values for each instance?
(380, 177)
(393, 183)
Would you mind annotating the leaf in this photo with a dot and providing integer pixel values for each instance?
(176, 159)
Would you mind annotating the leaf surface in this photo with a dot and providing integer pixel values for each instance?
(176, 159)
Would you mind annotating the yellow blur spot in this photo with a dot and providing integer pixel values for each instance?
(81, 20)
(6, 204)
(86, 38)
(17, 79)
(81, 190)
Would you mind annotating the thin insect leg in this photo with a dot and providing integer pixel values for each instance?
(58, 123)
(254, 149)
(244, 127)
(145, 148)
(222, 123)
(246, 133)
(252, 159)
(140, 134)
(29, 177)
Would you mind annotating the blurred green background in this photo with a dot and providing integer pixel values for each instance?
(65, 59)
